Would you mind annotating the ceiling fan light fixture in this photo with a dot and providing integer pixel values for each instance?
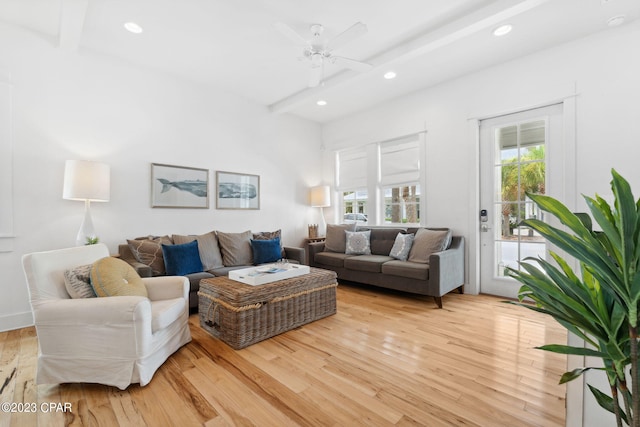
(321, 102)
(390, 75)
(615, 21)
(132, 27)
(503, 30)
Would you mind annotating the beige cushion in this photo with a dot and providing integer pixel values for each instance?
(78, 282)
(336, 240)
(207, 246)
(236, 248)
(112, 277)
(148, 251)
(427, 242)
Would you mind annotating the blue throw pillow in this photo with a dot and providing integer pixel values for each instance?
(265, 251)
(180, 260)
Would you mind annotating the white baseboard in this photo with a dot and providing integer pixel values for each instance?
(16, 321)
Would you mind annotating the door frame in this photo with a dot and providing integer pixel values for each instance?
(569, 195)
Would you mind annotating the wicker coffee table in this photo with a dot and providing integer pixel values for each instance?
(241, 314)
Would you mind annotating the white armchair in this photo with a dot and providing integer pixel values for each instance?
(114, 340)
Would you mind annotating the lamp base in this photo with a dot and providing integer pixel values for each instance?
(86, 234)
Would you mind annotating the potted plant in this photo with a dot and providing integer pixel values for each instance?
(600, 303)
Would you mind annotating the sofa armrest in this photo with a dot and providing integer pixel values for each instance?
(314, 248)
(167, 287)
(295, 254)
(446, 268)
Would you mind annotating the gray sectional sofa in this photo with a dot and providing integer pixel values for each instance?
(424, 273)
(219, 253)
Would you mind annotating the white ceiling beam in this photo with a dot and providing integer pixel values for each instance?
(492, 15)
(72, 15)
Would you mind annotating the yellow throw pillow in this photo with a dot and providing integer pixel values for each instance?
(112, 277)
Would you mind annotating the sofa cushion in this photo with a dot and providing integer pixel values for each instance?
(336, 240)
(236, 248)
(207, 246)
(270, 235)
(447, 244)
(402, 246)
(333, 259)
(427, 242)
(382, 239)
(182, 259)
(358, 243)
(265, 251)
(370, 263)
(78, 282)
(194, 279)
(408, 269)
(114, 277)
(148, 251)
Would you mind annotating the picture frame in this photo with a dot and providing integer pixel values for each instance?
(179, 187)
(237, 190)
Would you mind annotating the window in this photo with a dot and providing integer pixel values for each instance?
(355, 207)
(380, 183)
(352, 183)
(400, 180)
(402, 204)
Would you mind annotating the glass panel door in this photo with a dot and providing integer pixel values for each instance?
(514, 158)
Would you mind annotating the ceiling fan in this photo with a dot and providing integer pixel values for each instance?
(318, 50)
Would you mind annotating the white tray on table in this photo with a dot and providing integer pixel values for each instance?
(268, 273)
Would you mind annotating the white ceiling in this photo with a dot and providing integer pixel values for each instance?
(233, 45)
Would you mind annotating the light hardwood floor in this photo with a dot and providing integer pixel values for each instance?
(384, 359)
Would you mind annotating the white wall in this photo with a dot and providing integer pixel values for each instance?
(69, 105)
(602, 69)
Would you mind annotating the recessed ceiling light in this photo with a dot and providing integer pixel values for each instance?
(321, 102)
(132, 27)
(615, 21)
(390, 75)
(502, 30)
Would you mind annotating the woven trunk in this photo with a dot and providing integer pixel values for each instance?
(241, 315)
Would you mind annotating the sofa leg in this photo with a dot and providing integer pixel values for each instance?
(438, 301)
(461, 289)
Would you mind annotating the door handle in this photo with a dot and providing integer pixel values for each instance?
(484, 228)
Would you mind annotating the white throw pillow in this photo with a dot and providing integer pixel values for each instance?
(358, 243)
(402, 246)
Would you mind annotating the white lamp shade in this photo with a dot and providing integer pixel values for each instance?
(86, 180)
(320, 196)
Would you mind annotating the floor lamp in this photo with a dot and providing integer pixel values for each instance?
(89, 182)
(320, 198)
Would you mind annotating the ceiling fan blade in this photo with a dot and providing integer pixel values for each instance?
(351, 63)
(315, 77)
(356, 30)
(290, 33)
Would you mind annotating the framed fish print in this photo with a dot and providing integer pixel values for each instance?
(237, 191)
(179, 187)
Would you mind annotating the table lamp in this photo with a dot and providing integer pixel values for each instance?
(90, 182)
(320, 197)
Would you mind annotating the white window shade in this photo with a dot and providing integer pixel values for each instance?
(400, 161)
(352, 169)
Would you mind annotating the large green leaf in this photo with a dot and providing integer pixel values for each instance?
(566, 349)
(595, 258)
(607, 402)
(572, 375)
